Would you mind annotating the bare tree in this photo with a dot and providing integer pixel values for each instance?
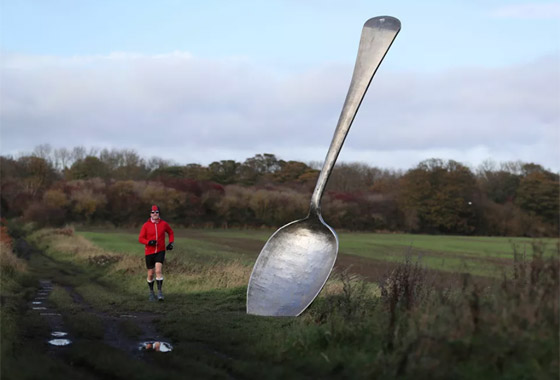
(62, 158)
(78, 153)
(155, 163)
(43, 151)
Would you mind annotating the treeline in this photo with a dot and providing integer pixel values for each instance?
(116, 187)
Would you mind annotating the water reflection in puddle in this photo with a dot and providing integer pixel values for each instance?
(59, 342)
(155, 346)
(57, 337)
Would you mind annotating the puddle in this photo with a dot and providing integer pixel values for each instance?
(37, 302)
(59, 342)
(155, 346)
(57, 314)
(59, 333)
(39, 308)
(128, 316)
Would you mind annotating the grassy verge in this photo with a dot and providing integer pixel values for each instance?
(22, 354)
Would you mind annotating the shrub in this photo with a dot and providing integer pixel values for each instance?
(44, 215)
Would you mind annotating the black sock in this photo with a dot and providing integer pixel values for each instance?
(159, 284)
(151, 285)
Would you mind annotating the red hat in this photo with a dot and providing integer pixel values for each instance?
(155, 208)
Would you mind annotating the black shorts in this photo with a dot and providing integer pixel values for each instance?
(154, 258)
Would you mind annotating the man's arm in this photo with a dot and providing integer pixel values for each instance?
(171, 238)
(142, 237)
(170, 233)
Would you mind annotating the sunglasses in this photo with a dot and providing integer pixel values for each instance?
(155, 212)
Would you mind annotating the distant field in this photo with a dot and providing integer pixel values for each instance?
(477, 255)
(487, 256)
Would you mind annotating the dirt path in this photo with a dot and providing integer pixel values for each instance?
(113, 331)
(58, 333)
(122, 329)
(108, 338)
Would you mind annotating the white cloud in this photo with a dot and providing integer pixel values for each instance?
(188, 109)
(529, 11)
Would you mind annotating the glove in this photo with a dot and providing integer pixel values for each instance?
(169, 246)
(152, 242)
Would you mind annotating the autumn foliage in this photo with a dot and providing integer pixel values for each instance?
(116, 187)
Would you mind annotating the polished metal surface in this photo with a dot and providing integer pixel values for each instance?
(296, 261)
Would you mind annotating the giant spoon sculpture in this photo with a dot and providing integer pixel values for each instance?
(296, 261)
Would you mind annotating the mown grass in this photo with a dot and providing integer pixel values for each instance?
(407, 325)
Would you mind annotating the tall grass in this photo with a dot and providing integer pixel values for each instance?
(10, 264)
(418, 328)
(13, 275)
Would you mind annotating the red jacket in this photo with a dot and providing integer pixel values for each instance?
(155, 231)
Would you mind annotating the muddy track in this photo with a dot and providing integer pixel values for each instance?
(100, 335)
(113, 334)
(112, 323)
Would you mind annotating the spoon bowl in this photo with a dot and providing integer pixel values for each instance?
(296, 261)
(300, 256)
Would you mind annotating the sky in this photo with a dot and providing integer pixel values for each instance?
(203, 81)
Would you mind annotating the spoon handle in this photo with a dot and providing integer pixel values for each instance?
(377, 36)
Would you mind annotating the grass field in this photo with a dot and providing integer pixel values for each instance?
(403, 322)
(484, 256)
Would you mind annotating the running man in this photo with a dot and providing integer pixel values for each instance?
(152, 235)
